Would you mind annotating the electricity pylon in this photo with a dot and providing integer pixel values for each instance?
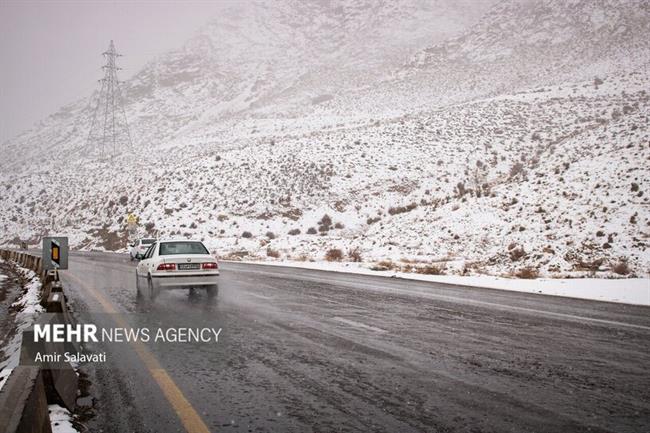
(109, 131)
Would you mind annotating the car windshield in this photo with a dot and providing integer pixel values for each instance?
(169, 248)
(147, 241)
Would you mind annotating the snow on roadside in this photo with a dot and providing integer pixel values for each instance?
(60, 419)
(28, 308)
(635, 291)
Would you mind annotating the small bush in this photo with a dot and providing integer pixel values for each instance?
(430, 270)
(325, 221)
(247, 235)
(372, 220)
(334, 255)
(527, 273)
(270, 235)
(402, 209)
(516, 169)
(294, 232)
(621, 268)
(355, 254)
(384, 265)
(311, 231)
(517, 253)
(272, 253)
(339, 226)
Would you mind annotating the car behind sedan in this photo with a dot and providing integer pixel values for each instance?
(176, 264)
(139, 247)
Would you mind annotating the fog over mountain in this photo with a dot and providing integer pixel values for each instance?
(479, 136)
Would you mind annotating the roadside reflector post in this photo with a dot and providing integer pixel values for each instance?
(55, 254)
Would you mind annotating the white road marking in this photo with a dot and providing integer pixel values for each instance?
(359, 325)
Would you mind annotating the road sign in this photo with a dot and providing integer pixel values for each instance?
(132, 219)
(55, 253)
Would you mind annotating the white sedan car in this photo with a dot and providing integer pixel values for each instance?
(176, 264)
(139, 247)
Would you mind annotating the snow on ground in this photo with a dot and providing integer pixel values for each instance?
(554, 183)
(509, 151)
(60, 419)
(634, 291)
(28, 308)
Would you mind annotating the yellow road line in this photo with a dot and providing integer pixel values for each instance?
(190, 419)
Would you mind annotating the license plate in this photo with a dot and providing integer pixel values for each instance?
(188, 266)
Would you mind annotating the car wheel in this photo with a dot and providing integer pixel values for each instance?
(152, 290)
(212, 291)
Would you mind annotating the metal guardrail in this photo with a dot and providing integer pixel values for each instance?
(28, 389)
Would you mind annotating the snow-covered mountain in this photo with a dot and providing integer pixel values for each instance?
(504, 139)
(520, 44)
(262, 58)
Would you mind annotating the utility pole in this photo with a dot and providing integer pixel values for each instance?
(109, 131)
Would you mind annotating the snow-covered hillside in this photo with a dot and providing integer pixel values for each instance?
(520, 145)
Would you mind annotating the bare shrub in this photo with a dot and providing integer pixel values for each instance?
(527, 273)
(294, 232)
(270, 235)
(325, 221)
(402, 209)
(517, 169)
(334, 255)
(311, 231)
(431, 270)
(236, 255)
(355, 254)
(621, 268)
(517, 253)
(270, 252)
(247, 235)
(383, 265)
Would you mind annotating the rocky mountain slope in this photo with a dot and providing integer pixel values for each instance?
(520, 146)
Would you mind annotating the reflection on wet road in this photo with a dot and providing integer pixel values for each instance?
(305, 351)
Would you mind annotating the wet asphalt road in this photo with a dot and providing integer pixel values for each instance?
(314, 351)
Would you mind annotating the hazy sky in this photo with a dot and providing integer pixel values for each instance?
(51, 51)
